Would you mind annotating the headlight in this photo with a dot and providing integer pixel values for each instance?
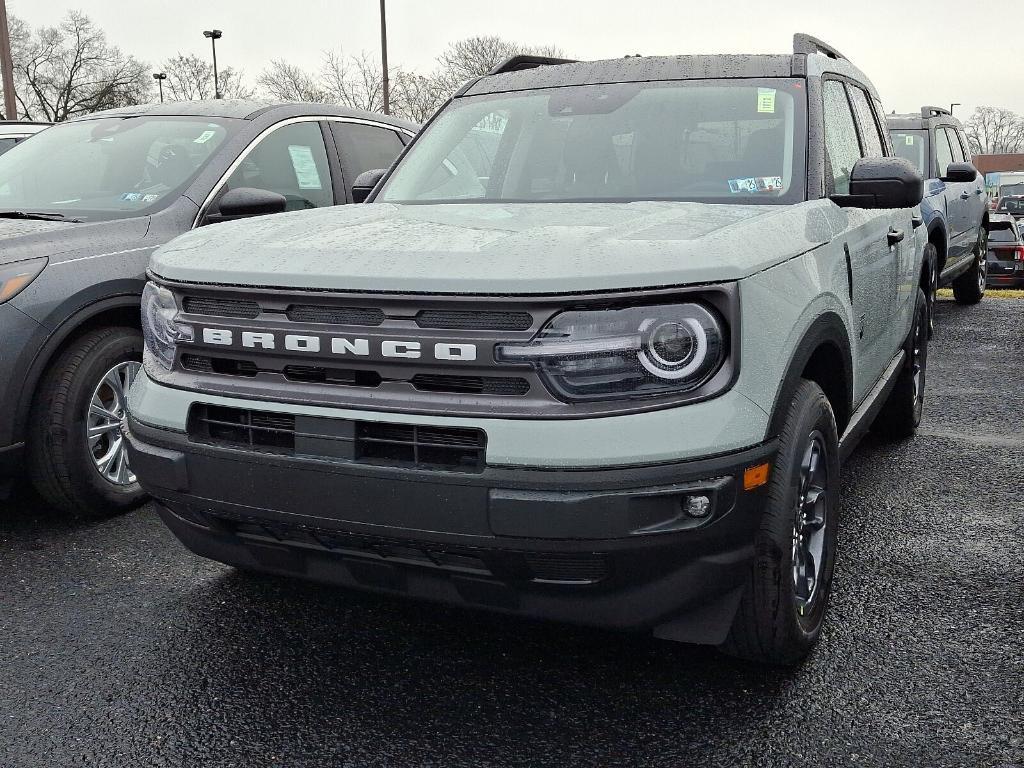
(625, 353)
(160, 327)
(14, 278)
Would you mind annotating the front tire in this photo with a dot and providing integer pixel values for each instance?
(901, 414)
(76, 455)
(780, 615)
(969, 288)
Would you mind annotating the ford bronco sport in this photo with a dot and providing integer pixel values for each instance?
(592, 352)
(955, 207)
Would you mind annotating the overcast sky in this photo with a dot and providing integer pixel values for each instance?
(936, 52)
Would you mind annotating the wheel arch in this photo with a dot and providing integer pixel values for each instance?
(120, 309)
(938, 237)
(824, 356)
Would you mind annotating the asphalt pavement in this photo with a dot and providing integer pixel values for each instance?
(119, 648)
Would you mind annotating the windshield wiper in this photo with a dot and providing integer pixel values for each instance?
(31, 216)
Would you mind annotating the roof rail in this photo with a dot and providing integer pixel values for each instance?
(927, 112)
(810, 45)
(528, 61)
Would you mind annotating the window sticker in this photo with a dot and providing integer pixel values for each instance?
(756, 184)
(766, 100)
(150, 198)
(910, 140)
(131, 197)
(204, 137)
(306, 173)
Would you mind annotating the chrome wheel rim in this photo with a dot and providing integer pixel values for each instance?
(809, 522)
(103, 424)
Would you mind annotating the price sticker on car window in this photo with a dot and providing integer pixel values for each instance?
(306, 173)
(766, 100)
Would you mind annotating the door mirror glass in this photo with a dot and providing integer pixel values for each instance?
(960, 173)
(883, 182)
(243, 202)
(365, 182)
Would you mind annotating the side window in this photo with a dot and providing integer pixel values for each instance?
(872, 139)
(366, 147)
(291, 161)
(842, 150)
(943, 152)
(954, 143)
(966, 145)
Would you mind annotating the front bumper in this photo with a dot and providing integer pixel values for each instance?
(607, 547)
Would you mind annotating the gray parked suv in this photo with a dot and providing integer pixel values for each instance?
(955, 207)
(83, 205)
(593, 351)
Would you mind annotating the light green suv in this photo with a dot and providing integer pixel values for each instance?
(593, 352)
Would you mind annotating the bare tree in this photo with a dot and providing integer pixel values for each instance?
(287, 82)
(475, 56)
(191, 77)
(991, 130)
(357, 81)
(71, 70)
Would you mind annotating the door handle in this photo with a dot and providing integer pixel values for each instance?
(895, 236)
(965, 195)
(979, 191)
(917, 221)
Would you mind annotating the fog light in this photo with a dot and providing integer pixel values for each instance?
(697, 506)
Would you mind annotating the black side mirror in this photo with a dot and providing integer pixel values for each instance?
(960, 173)
(365, 182)
(243, 202)
(883, 182)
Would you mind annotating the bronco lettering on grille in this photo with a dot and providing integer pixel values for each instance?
(338, 345)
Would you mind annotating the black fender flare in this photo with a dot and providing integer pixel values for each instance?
(37, 358)
(827, 329)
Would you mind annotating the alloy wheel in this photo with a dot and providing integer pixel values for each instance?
(809, 522)
(103, 422)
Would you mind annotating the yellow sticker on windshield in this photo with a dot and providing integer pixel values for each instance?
(766, 100)
(910, 140)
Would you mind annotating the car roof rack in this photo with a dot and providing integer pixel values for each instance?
(927, 112)
(808, 46)
(528, 61)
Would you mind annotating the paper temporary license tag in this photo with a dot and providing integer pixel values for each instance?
(766, 100)
(204, 137)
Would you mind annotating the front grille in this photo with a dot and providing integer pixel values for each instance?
(563, 568)
(307, 313)
(201, 305)
(315, 374)
(223, 365)
(471, 385)
(403, 445)
(412, 444)
(450, 319)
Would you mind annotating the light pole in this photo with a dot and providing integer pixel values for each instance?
(7, 66)
(954, 104)
(384, 59)
(214, 35)
(160, 77)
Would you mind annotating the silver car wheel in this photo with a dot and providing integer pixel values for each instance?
(103, 422)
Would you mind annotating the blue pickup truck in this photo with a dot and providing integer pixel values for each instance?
(954, 208)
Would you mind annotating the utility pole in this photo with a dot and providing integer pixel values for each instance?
(159, 77)
(214, 35)
(383, 58)
(954, 105)
(7, 65)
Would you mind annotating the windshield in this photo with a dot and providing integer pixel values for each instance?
(108, 168)
(1012, 189)
(738, 141)
(912, 146)
(1012, 205)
